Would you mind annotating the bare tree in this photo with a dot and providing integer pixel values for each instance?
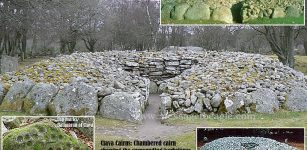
(281, 41)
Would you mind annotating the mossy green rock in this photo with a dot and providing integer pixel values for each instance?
(222, 14)
(199, 11)
(292, 11)
(166, 10)
(179, 11)
(13, 101)
(40, 135)
(278, 13)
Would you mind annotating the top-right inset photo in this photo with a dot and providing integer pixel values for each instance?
(233, 12)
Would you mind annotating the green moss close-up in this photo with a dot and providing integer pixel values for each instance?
(40, 135)
(232, 12)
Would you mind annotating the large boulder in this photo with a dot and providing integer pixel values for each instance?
(153, 87)
(199, 11)
(297, 99)
(36, 102)
(179, 11)
(222, 14)
(278, 13)
(264, 101)
(166, 10)
(76, 99)
(13, 101)
(292, 11)
(40, 135)
(122, 106)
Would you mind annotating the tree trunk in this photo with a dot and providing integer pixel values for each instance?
(34, 45)
(305, 47)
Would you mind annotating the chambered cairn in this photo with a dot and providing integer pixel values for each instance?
(230, 11)
(116, 84)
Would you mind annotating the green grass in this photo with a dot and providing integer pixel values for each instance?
(301, 64)
(286, 20)
(171, 21)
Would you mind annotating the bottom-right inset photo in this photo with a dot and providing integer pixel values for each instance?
(250, 138)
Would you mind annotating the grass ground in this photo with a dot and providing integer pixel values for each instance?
(286, 20)
(301, 64)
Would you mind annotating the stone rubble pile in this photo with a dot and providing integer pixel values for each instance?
(71, 85)
(116, 84)
(243, 143)
(232, 82)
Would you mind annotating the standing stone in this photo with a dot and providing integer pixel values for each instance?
(297, 100)
(13, 101)
(179, 11)
(222, 14)
(76, 99)
(122, 106)
(265, 101)
(199, 11)
(8, 63)
(36, 102)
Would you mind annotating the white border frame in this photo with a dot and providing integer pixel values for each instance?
(244, 25)
(305, 136)
(94, 124)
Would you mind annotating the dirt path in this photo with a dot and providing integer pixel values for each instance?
(151, 128)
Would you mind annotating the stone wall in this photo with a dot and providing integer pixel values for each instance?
(160, 67)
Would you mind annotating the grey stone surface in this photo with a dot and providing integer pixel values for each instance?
(39, 97)
(216, 100)
(297, 99)
(265, 101)
(153, 87)
(8, 63)
(121, 105)
(76, 99)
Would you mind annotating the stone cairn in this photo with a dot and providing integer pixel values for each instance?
(115, 84)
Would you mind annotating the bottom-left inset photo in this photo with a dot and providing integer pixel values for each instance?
(48, 133)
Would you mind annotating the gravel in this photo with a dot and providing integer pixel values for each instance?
(246, 143)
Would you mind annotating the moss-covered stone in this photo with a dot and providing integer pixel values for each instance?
(38, 136)
(166, 10)
(199, 11)
(179, 11)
